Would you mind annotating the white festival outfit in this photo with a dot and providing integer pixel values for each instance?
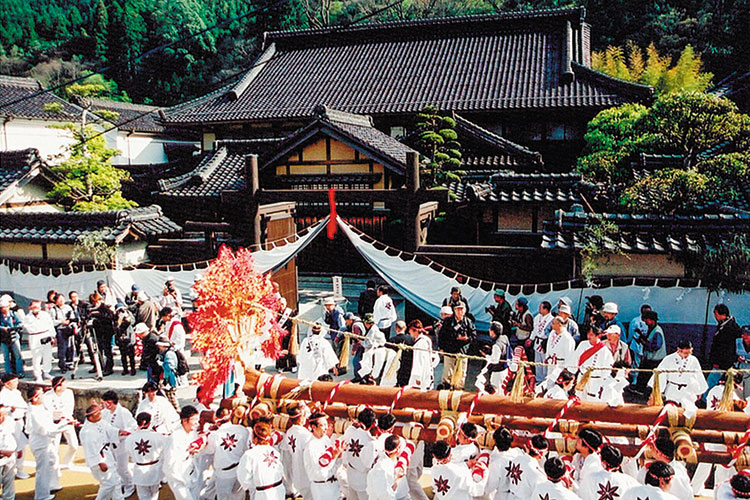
(355, 459)
(497, 486)
(8, 464)
(384, 312)
(538, 336)
(377, 361)
(122, 420)
(316, 357)
(608, 484)
(703, 470)
(453, 481)
(99, 440)
(323, 482)
(227, 444)
(523, 474)
(261, 473)
(295, 441)
(42, 429)
(684, 383)
(62, 405)
(13, 400)
(680, 486)
(164, 418)
(648, 492)
(560, 353)
(41, 331)
(601, 358)
(380, 479)
(179, 465)
(423, 365)
(145, 447)
(548, 490)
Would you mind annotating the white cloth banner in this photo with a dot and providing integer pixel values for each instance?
(426, 288)
(28, 286)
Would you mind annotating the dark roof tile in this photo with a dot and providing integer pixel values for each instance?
(25, 98)
(16, 165)
(133, 117)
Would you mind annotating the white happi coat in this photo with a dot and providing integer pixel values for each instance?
(607, 484)
(601, 359)
(99, 440)
(547, 490)
(523, 474)
(323, 482)
(557, 392)
(355, 458)
(464, 452)
(260, 472)
(41, 427)
(584, 467)
(227, 444)
(683, 387)
(376, 362)
(315, 357)
(13, 400)
(61, 405)
(145, 447)
(122, 420)
(495, 357)
(453, 481)
(380, 479)
(560, 349)
(178, 464)
(724, 492)
(648, 492)
(538, 336)
(680, 486)
(164, 418)
(8, 441)
(384, 312)
(423, 364)
(612, 388)
(497, 481)
(295, 442)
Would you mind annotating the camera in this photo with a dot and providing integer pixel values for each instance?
(46, 340)
(170, 287)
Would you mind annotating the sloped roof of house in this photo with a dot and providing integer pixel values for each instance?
(513, 61)
(26, 98)
(65, 227)
(17, 166)
(513, 187)
(485, 150)
(132, 117)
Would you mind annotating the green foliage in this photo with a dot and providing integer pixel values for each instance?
(438, 141)
(723, 267)
(93, 247)
(110, 116)
(598, 237)
(654, 69)
(672, 190)
(53, 107)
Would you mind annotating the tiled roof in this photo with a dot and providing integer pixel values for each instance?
(504, 62)
(485, 149)
(366, 178)
(646, 233)
(15, 165)
(24, 98)
(133, 117)
(508, 186)
(66, 227)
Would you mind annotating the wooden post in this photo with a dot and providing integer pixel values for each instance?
(253, 184)
(411, 217)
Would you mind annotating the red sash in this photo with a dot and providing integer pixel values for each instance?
(172, 327)
(590, 352)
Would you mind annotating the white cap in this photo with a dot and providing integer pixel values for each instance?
(4, 301)
(142, 296)
(613, 329)
(610, 307)
(328, 301)
(564, 308)
(140, 328)
(446, 310)
(169, 278)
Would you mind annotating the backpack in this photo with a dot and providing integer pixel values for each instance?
(182, 364)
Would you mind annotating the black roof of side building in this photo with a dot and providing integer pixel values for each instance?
(16, 167)
(65, 227)
(518, 61)
(26, 98)
(132, 117)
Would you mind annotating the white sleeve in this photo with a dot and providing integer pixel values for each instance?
(245, 472)
(68, 403)
(91, 448)
(378, 487)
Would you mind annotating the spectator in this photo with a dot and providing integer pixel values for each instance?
(62, 314)
(457, 341)
(150, 351)
(653, 346)
(41, 331)
(367, 299)
(168, 361)
(636, 329)
(125, 338)
(357, 327)
(454, 298)
(147, 312)
(538, 339)
(173, 329)
(171, 297)
(108, 297)
(384, 312)
(743, 359)
(523, 324)
(501, 311)
(334, 318)
(131, 299)
(80, 316)
(407, 355)
(10, 336)
(724, 344)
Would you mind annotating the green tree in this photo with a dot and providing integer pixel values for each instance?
(99, 31)
(438, 140)
(654, 69)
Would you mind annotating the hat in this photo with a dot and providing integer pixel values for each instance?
(610, 307)
(565, 300)
(446, 310)
(120, 305)
(4, 301)
(169, 278)
(369, 318)
(596, 300)
(317, 327)
(652, 315)
(564, 308)
(142, 296)
(459, 305)
(140, 328)
(522, 300)
(613, 329)
(7, 297)
(500, 293)
(135, 288)
(349, 315)
(163, 342)
(328, 301)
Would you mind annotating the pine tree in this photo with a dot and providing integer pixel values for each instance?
(99, 31)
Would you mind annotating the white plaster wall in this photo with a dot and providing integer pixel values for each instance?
(143, 148)
(131, 254)
(25, 194)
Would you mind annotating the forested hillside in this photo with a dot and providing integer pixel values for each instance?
(57, 39)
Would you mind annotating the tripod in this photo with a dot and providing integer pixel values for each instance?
(89, 340)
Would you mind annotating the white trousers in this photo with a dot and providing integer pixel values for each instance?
(126, 477)
(110, 487)
(324, 491)
(147, 492)
(44, 471)
(356, 495)
(182, 490)
(72, 439)
(8, 478)
(229, 489)
(41, 359)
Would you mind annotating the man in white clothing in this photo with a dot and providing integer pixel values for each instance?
(41, 430)
(736, 487)
(260, 471)
(424, 360)
(587, 460)
(559, 351)
(663, 451)
(595, 361)
(60, 401)
(609, 482)
(164, 418)
(316, 356)
(452, 480)
(8, 447)
(41, 332)
(173, 329)
(179, 456)
(384, 312)
(497, 481)
(294, 444)
(658, 483)
(525, 472)
(227, 444)
(382, 479)
(356, 438)
(321, 460)
(99, 440)
(685, 382)
(376, 363)
(556, 486)
(539, 337)
(121, 419)
(145, 448)
(12, 399)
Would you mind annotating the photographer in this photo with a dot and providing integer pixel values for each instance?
(171, 297)
(501, 311)
(41, 331)
(10, 336)
(125, 338)
(62, 315)
(102, 320)
(459, 337)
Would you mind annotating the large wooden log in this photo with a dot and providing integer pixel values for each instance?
(631, 414)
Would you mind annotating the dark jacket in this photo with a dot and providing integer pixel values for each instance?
(366, 302)
(450, 342)
(103, 321)
(150, 351)
(724, 346)
(502, 314)
(407, 357)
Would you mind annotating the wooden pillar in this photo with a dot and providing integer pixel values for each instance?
(253, 185)
(411, 217)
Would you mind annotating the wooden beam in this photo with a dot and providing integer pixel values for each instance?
(207, 226)
(350, 195)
